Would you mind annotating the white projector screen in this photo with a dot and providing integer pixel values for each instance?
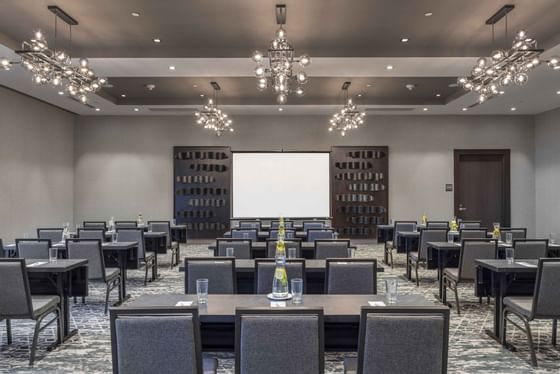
(287, 184)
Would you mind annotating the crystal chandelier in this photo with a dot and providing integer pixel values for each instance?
(348, 117)
(279, 73)
(55, 66)
(213, 118)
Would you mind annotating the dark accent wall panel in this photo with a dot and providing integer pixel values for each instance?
(202, 180)
(360, 190)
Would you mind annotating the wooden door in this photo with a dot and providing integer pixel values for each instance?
(482, 186)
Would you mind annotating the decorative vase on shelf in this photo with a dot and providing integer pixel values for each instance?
(280, 280)
(453, 225)
(424, 219)
(496, 231)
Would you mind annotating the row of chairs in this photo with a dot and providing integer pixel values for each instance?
(312, 234)
(388, 341)
(343, 276)
(324, 248)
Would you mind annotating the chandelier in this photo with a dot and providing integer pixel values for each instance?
(213, 118)
(279, 73)
(490, 76)
(348, 117)
(55, 67)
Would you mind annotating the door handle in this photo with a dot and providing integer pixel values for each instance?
(462, 208)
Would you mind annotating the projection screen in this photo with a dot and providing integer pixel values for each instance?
(288, 184)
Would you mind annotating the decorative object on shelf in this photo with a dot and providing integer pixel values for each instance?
(453, 226)
(280, 280)
(424, 219)
(211, 117)
(490, 76)
(496, 231)
(348, 117)
(54, 66)
(279, 72)
(140, 219)
(112, 223)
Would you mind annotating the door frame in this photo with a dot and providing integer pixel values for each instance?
(506, 192)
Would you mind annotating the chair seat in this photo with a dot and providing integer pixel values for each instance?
(42, 304)
(520, 304)
(414, 256)
(209, 365)
(174, 245)
(389, 244)
(350, 365)
(452, 273)
(112, 273)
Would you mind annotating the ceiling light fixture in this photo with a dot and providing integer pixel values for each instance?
(135, 14)
(490, 76)
(389, 67)
(61, 92)
(558, 92)
(123, 95)
(513, 109)
(404, 40)
(211, 117)
(171, 67)
(136, 109)
(428, 14)
(54, 66)
(279, 73)
(425, 109)
(464, 109)
(157, 40)
(97, 109)
(348, 117)
(438, 95)
(280, 109)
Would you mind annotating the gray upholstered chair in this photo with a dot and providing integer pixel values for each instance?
(293, 243)
(33, 248)
(331, 248)
(390, 245)
(289, 234)
(426, 236)
(279, 341)
(249, 225)
(544, 304)
(471, 250)
(53, 234)
(126, 225)
(145, 341)
(165, 226)
(245, 234)
(472, 233)
(313, 225)
(16, 302)
(318, 234)
(437, 225)
(469, 224)
(147, 258)
(92, 234)
(95, 225)
(516, 233)
(524, 249)
(264, 273)
(396, 340)
(356, 276)
(242, 248)
(91, 250)
(219, 272)
(287, 224)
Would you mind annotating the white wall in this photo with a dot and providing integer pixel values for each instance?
(36, 165)
(547, 172)
(123, 165)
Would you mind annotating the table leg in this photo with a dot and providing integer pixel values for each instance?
(122, 266)
(407, 248)
(62, 292)
(440, 265)
(501, 290)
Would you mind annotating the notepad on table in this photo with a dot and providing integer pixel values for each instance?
(376, 303)
(527, 264)
(184, 303)
(37, 264)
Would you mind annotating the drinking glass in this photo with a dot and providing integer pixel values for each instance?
(391, 290)
(53, 255)
(292, 252)
(350, 252)
(202, 290)
(391, 222)
(509, 237)
(552, 237)
(297, 290)
(335, 234)
(114, 237)
(289, 235)
(173, 222)
(450, 237)
(230, 252)
(509, 255)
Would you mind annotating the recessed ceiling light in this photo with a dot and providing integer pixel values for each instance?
(360, 95)
(428, 14)
(171, 67)
(404, 40)
(557, 92)
(369, 85)
(464, 109)
(438, 95)
(97, 109)
(425, 109)
(123, 95)
(136, 109)
(61, 92)
(201, 95)
(135, 14)
(157, 40)
(389, 67)
(195, 85)
(280, 109)
(513, 109)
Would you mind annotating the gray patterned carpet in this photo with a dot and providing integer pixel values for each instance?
(471, 351)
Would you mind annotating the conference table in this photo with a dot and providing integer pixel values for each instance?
(217, 317)
(314, 275)
(259, 249)
(263, 235)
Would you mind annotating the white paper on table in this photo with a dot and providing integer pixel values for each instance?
(277, 304)
(37, 264)
(527, 264)
(184, 303)
(376, 303)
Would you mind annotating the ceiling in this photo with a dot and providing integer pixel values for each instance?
(212, 40)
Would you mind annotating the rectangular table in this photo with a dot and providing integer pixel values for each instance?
(155, 241)
(263, 235)
(447, 256)
(217, 318)
(124, 252)
(259, 249)
(64, 278)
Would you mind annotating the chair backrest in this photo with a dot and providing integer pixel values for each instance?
(276, 224)
(289, 234)
(351, 276)
(471, 233)
(402, 226)
(241, 247)
(145, 340)
(317, 234)
(15, 295)
(95, 234)
(313, 225)
(126, 224)
(516, 233)
(331, 248)
(95, 225)
(260, 347)
(133, 235)
(241, 233)
(530, 248)
(469, 225)
(249, 225)
(162, 226)
(475, 249)
(427, 236)
(91, 250)
(264, 273)
(33, 248)
(395, 340)
(219, 272)
(293, 243)
(546, 300)
(53, 234)
(437, 225)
